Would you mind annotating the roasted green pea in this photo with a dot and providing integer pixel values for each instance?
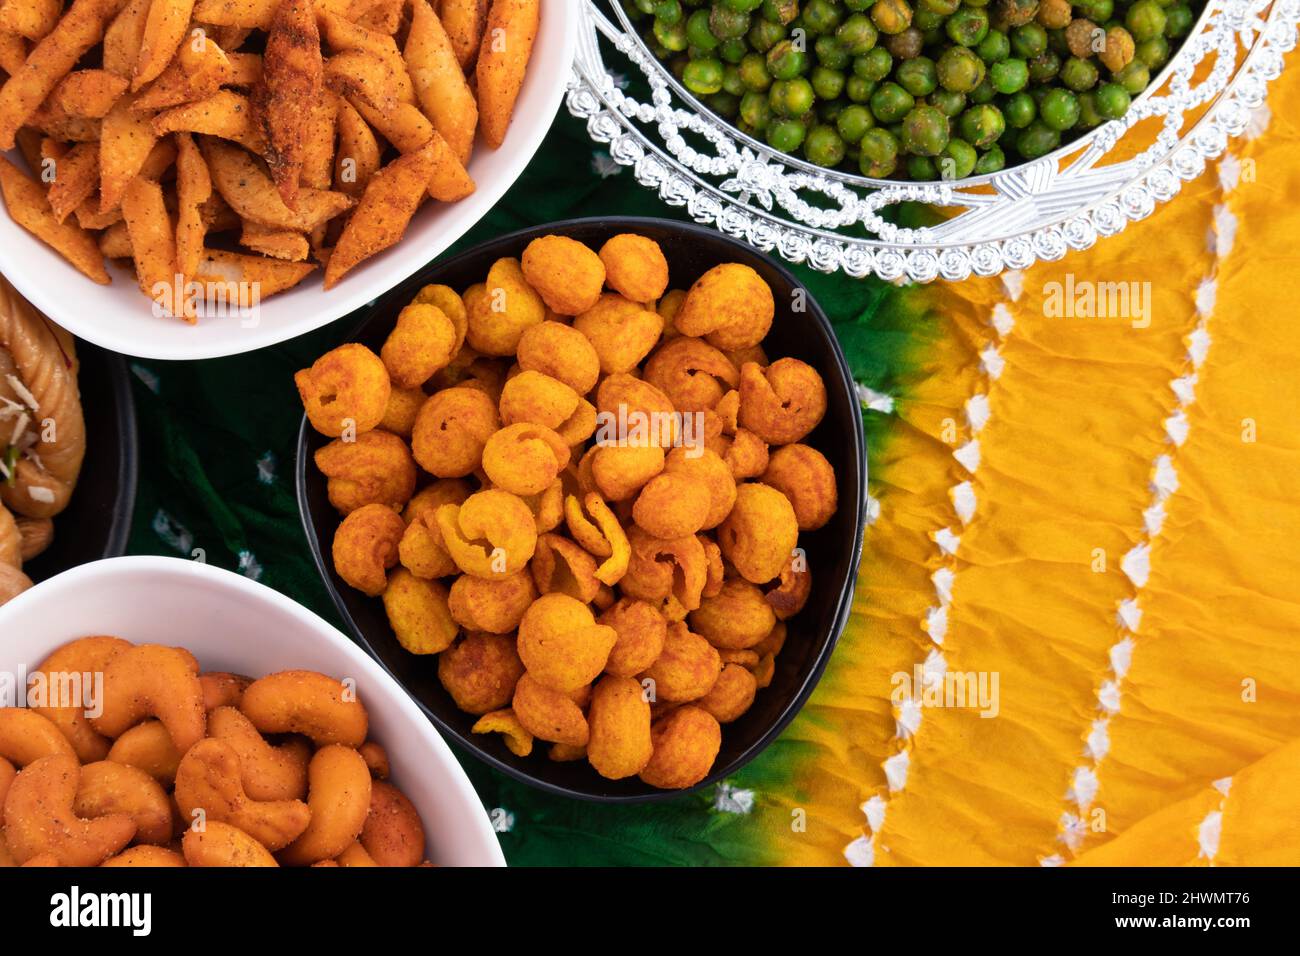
(1154, 52)
(785, 61)
(1020, 110)
(1178, 20)
(968, 26)
(1088, 115)
(984, 93)
(672, 37)
(786, 135)
(981, 125)
(854, 122)
(857, 34)
(764, 35)
(668, 11)
(905, 45)
(1134, 78)
(925, 131)
(918, 76)
(990, 161)
(1016, 13)
(859, 89)
(724, 104)
(726, 23)
(957, 160)
(779, 11)
(703, 77)
(891, 16)
(921, 169)
(1112, 100)
(791, 98)
(994, 48)
(827, 84)
(698, 33)
(1079, 75)
(891, 102)
(959, 69)
(1145, 20)
(878, 153)
(824, 147)
(1098, 11)
(733, 51)
(755, 110)
(1059, 109)
(1028, 41)
(927, 22)
(753, 73)
(874, 64)
(1037, 139)
(732, 81)
(1044, 66)
(1009, 76)
(948, 102)
(742, 6)
(942, 7)
(821, 16)
(830, 54)
(1058, 42)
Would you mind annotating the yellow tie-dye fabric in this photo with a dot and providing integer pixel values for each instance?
(1102, 515)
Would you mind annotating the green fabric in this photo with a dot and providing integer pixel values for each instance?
(216, 484)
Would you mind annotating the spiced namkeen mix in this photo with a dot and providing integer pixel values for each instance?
(220, 142)
(182, 767)
(584, 492)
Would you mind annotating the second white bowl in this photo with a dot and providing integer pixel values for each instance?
(233, 624)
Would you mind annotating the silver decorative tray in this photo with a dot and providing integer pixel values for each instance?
(1005, 220)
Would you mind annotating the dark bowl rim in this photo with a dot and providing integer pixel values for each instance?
(844, 601)
(128, 435)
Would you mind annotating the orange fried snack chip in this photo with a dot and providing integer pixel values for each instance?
(524, 459)
(599, 532)
(783, 402)
(561, 644)
(480, 672)
(376, 468)
(504, 722)
(345, 390)
(760, 534)
(365, 547)
(451, 431)
(491, 535)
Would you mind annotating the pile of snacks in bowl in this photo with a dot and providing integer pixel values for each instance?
(918, 89)
(128, 755)
(172, 136)
(584, 492)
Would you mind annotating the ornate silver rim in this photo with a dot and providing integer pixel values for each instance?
(1006, 220)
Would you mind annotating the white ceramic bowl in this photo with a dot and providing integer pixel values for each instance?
(233, 624)
(120, 317)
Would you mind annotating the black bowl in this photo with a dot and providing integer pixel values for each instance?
(834, 551)
(97, 521)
